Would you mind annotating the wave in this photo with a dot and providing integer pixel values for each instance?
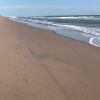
(72, 17)
(13, 17)
(95, 41)
(43, 22)
(81, 18)
(89, 30)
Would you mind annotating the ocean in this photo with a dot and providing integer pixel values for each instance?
(84, 28)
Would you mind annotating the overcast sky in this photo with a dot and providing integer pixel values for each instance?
(49, 7)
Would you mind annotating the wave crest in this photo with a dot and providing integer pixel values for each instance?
(95, 41)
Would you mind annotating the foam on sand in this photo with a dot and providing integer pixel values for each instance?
(95, 41)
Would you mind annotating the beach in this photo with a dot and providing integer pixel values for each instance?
(38, 64)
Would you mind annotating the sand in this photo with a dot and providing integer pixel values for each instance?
(37, 64)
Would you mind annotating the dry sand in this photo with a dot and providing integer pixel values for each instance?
(37, 64)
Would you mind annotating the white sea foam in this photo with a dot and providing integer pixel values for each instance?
(12, 16)
(72, 17)
(89, 30)
(81, 17)
(95, 41)
(42, 22)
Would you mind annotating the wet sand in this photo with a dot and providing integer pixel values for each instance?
(37, 64)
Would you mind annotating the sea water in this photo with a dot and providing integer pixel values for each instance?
(84, 28)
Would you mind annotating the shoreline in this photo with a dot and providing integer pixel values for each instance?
(37, 64)
(55, 31)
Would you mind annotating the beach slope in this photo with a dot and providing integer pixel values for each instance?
(37, 64)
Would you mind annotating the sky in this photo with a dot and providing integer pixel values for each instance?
(49, 7)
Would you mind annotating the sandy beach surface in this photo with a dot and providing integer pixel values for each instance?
(37, 64)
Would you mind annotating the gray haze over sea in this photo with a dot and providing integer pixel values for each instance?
(84, 28)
